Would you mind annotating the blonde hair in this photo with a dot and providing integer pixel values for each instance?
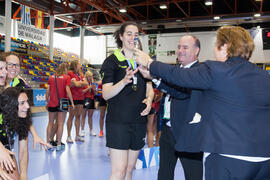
(239, 41)
(88, 74)
(73, 66)
(61, 69)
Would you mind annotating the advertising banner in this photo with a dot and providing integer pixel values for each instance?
(39, 97)
(31, 33)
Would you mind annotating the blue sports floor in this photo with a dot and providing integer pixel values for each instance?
(88, 160)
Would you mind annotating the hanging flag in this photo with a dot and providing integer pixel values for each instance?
(25, 15)
(39, 20)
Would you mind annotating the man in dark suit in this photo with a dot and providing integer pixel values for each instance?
(183, 104)
(235, 108)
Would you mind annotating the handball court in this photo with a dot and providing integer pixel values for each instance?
(79, 161)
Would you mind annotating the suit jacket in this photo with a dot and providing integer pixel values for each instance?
(184, 105)
(235, 105)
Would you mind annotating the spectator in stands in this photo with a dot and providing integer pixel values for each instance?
(89, 105)
(56, 115)
(13, 80)
(15, 121)
(77, 83)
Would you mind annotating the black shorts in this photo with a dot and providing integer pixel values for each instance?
(102, 102)
(54, 109)
(125, 136)
(89, 103)
(152, 111)
(76, 102)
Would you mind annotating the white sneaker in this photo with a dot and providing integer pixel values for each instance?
(82, 133)
(79, 139)
(69, 140)
(92, 133)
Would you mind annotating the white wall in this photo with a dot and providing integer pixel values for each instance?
(65, 43)
(167, 42)
(94, 46)
(95, 49)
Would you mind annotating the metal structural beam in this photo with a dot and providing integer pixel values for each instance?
(91, 13)
(103, 9)
(181, 9)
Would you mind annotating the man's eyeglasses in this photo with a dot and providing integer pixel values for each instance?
(11, 65)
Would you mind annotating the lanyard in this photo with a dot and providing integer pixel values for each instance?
(79, 76)
(129, 64)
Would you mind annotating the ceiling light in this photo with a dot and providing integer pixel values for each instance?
(257, 15)
(216, 18)
(178, 20)
(208, 2)
(122, 10)
(258, 0)
(163, 6)
(144, 22)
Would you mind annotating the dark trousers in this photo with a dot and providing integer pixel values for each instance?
(191, 162)
(225, 168)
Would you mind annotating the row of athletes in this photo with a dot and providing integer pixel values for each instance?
(9, 77)
(82, 91)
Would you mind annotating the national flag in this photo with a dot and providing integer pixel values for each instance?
(39, 20)
(25, 15)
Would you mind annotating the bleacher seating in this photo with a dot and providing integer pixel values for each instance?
(37, 70)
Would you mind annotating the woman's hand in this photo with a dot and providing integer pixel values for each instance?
(145, 72)
(4, 175)
(38, 140)
(148, 103)
(6, 162)
(72, 105)
(129, 75)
